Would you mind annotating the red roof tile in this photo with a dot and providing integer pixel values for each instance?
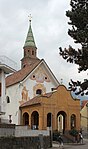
(84, 103)
(36, 100)
(20, 75)
(33, 101)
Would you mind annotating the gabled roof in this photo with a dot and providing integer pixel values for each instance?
(20, 75)
(24, 72)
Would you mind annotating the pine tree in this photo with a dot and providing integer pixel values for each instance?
(78, 16)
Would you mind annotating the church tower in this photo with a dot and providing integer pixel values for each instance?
(30, 49)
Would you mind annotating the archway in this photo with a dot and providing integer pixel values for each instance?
(61, 121)
(73, 121)
(35, 120)
(25, 118)
(49, 119)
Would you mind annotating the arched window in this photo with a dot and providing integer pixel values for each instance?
(8, 99)
(32, 52)
(39, 91)
(73, 121)
(49, 119)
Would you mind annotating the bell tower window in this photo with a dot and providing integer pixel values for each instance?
(32, 52)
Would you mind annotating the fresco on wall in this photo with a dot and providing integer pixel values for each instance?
(24, 95)
(40, 76)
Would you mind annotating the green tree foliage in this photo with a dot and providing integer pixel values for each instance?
(78, 16)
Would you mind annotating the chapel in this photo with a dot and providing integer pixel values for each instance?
(34, 96)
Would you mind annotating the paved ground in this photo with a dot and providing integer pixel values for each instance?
(72, 146)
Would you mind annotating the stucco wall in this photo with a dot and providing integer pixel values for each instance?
(15, 94)
(59, 102)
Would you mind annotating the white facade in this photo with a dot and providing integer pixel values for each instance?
(6, 67)
(26, 90)
(2, 98)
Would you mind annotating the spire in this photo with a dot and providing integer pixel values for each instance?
(30, 49)
(30, 38)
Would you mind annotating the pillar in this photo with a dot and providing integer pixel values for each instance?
(41, 122)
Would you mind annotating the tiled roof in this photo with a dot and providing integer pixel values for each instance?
(84, 102)
(36, 100)
(20, 75)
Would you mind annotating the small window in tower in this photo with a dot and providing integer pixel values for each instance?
(8, 99)
(32, 52)
(39, 91)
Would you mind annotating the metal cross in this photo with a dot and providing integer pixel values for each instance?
(30, 17)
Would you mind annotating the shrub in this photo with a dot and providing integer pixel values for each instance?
(73, 132)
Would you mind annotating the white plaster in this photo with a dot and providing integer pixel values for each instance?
(2, 80)
(15, 94)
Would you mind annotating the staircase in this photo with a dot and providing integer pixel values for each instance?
(67, 138)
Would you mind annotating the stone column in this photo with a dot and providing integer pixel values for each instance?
(55, 123)
(41, 122)
(67, 122)
(30, 121)
(78, 121)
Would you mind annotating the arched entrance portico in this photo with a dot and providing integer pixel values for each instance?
(61, 121)
(34, 120)
(50, 110)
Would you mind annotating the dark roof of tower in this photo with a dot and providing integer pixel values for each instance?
(30, 38)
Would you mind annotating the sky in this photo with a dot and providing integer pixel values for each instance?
(50, 30)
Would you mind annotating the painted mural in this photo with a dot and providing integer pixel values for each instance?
(24, 95)
(40, 76)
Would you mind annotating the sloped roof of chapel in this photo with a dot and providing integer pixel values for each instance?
(20, 75)
(36, 100)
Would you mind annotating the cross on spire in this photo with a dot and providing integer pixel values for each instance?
(61, 80)
(30, 18)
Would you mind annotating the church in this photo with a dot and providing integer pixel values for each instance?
(34, 96)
